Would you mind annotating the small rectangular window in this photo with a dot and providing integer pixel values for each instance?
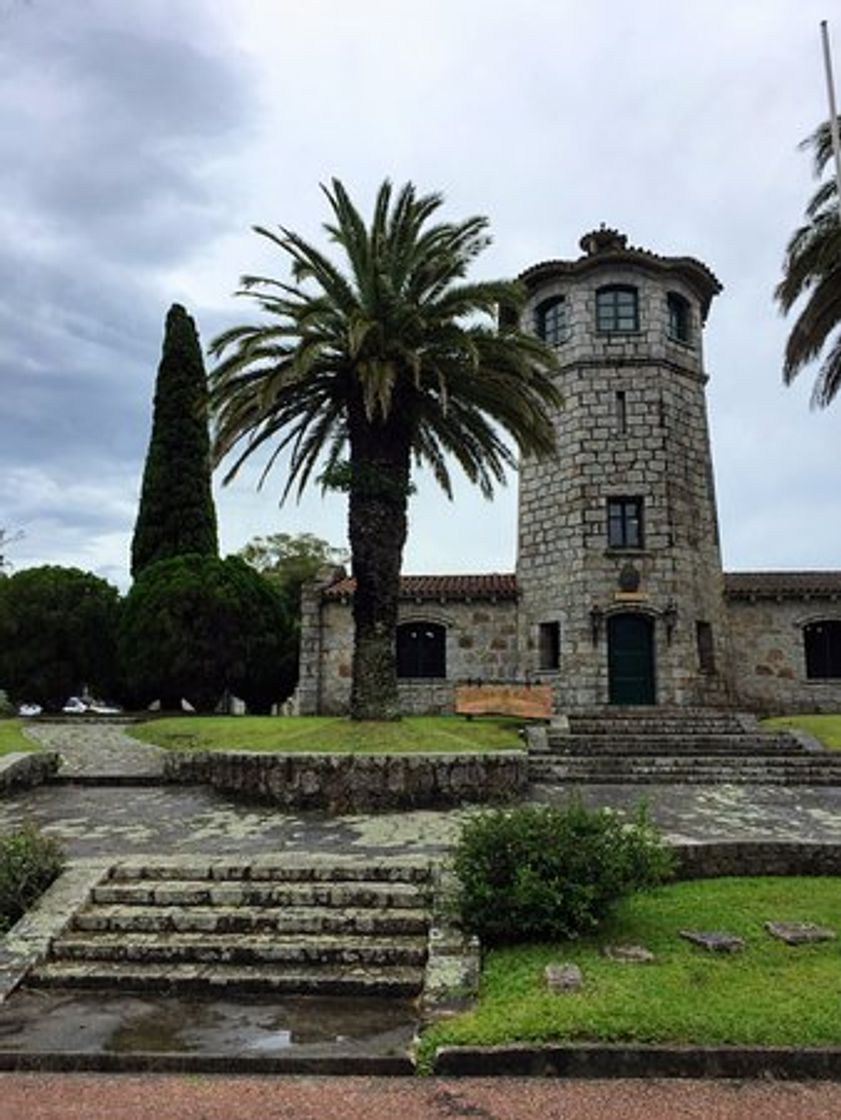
(621, 412)
(624, 522)
(706, 649)
(549, 645)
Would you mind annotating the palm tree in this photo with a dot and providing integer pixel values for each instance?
(812, 269)
(362, 369)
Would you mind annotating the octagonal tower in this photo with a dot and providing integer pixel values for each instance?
(618, 566)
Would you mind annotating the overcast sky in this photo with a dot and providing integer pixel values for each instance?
(140, 141)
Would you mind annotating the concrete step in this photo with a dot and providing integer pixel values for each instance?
(341, 895)
(678, 776)
(804, 764)
(662, 723)
(230, 979)
(238, 919)
(264, 870)
(312, 951)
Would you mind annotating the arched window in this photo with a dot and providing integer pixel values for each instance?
(421, 650)
(617, 309)
(680, 318)
(822, 644)
(551, 321)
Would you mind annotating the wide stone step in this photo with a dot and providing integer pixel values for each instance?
(239, 919)
(608, 725)
(230, 979)
(678, 775)
(798, 765)
(270, 871)
(663, 744)
(353, 895)
(245, 949)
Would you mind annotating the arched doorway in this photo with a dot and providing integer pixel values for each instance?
(630, 658)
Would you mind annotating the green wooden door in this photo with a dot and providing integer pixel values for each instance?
(630, 646)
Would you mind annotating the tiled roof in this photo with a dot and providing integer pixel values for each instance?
(782, 585)
(493, 585)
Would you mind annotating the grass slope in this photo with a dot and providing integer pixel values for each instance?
(12, 738)
(771, 993)
(825, 728)
(327, 734)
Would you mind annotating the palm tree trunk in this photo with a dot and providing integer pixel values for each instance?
(377, 522)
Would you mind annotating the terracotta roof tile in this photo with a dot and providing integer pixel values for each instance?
(785, 585)
(492, 585)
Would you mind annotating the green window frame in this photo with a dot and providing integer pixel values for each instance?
(617, 309)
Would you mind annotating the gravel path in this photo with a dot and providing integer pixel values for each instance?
(153, 1097)
(97, 749)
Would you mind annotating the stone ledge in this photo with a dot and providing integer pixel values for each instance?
(756, 857)
(616, 1060)
(27, 768)
(356, 783)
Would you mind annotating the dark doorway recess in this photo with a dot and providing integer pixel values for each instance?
(630, 653)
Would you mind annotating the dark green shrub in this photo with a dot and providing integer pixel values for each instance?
(196, 626)
(7, 708)
(58, 633)
(29, 861)
(538, 873)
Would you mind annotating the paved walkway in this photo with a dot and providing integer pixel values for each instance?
(154, 1097)
(97, 750)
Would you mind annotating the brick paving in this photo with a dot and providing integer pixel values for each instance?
(39, 1096)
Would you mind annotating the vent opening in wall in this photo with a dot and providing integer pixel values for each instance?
(549, 645)
(621, 412)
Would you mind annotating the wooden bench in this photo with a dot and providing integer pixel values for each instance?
(530, 701)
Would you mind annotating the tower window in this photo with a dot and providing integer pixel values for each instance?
(621, 412)
(551, 321)
(421, 650)
(617, 309)
(624, 522)
(706, 649)
(549, 648)
(679, 317)
(822, 642)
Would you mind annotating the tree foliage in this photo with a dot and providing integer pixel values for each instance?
(196, 626)
(58, 632)
(812, 272)
(176, 513)
(364, 366)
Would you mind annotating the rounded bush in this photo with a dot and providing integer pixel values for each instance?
(29, 862)
(538, 873)
(194, 627)
(58, 634)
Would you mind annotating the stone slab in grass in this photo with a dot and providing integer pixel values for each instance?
(563, 978)
(714, 941)
(800, 933)
(629, 954)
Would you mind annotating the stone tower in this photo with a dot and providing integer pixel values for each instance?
(618, 565)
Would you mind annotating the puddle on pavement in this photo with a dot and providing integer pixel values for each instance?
(36, 1021)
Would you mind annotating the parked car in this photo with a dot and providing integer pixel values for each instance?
(27, 710)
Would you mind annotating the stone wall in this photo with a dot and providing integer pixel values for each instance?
(756, 857)
(768, 661)
(481, 644)
(30, 768)
(344, 783)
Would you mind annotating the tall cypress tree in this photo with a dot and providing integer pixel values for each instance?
(176, 513)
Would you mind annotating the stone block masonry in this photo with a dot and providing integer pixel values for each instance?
(345, 783)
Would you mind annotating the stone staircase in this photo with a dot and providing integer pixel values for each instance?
(679, 746)
(265, 927)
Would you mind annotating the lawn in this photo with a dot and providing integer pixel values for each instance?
(12, 737)
(770, 993)
(329, 734)
(825, 728)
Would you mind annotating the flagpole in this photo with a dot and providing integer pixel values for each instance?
(833, 112)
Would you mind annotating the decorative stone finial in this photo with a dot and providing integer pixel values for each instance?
(603, 240)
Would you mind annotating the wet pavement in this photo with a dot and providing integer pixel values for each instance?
(92, 821)
(108, 1022)
(92, 749)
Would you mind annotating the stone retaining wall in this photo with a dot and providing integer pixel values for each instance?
(27, 769)
(344, 783)
(757, 857)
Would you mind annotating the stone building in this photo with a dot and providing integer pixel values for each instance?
(619, 595)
